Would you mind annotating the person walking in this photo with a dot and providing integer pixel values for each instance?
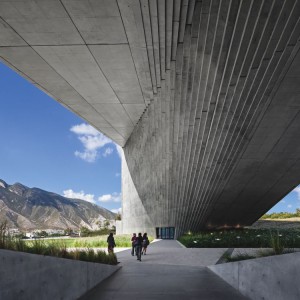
(145, 243)
(138, 247)
(133, 242)
(111, 243)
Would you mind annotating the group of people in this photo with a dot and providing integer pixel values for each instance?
(139, 245)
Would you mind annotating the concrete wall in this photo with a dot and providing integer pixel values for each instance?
(134, 216)
(28, 276)
(274, 277)
(216, 145)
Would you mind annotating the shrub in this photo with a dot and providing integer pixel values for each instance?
(276, 242)
(281, 215)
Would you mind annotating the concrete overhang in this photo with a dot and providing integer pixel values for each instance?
(78, 52)
(204, 95)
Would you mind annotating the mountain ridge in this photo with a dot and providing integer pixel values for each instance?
(27, 208)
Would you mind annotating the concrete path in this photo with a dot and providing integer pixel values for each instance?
(168, 271)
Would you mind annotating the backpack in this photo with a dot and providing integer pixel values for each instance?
(145, 242)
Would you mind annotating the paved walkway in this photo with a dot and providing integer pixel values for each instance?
(168, 271)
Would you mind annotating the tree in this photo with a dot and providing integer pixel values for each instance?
(68, 231)
(84, 231)
(118, 217)
(44, 233)
(106, 224)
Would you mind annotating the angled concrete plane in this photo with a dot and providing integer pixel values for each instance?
(203, 96)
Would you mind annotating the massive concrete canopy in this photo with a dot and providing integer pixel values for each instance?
(203, 96)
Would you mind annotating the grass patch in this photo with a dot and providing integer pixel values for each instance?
(123, 241)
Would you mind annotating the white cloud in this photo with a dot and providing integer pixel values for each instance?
(282, 201)
(108, 151)
(89, 156)
(79, 195)
(114, 197)
(94, 142)
(117, 210)
(118, 174)
(91, 139)
(84, 129)
(290, 205)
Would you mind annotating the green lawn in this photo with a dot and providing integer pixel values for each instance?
(92, 242)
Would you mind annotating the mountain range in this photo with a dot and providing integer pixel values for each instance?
(35, 209)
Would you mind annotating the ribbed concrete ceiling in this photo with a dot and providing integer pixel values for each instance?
(221, 139)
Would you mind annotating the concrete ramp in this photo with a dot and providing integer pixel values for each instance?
(166, 272)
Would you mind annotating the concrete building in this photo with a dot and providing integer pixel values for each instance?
(203, 96)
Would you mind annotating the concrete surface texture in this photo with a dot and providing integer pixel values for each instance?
(202, 95)
(26, 276)
(168, 271)
(217, 144)
(275, 277)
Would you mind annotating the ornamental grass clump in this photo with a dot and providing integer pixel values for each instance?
(90, 255)
(276, 242)
(52, 248)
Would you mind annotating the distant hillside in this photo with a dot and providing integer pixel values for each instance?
(282, 215)
(32, 208)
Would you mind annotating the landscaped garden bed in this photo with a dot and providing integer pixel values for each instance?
(55, 248)
(243, 238)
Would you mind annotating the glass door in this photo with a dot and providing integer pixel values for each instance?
(165, 233)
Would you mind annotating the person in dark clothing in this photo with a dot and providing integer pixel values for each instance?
(138, 247)
(133, 242)
(145, 243)
(111, 243)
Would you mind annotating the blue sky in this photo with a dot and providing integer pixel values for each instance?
(45, 145)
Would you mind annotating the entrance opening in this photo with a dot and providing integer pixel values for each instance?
(165, 233)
